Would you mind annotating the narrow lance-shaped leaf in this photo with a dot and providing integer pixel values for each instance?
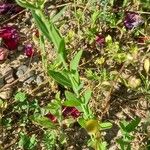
(25, 4)
(71, 103)
(105, 125)
(62, 53)
(60, 78)
(58, 15)
(43, 52)
(42, 121)
(48, 28)
(41, 25)
(55, 36)
(75, 61)
(87, 96)
(74, 84)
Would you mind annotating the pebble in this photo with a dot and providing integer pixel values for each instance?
(39, 80)
(20, 48)
(9, 75)
(27, 78)
(7, 94)
(21, 71)
(1, 81)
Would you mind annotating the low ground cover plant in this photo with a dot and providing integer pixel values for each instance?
(96, 70)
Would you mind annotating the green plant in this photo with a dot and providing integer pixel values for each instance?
(26, 142)
(67, 75)
(127, 129)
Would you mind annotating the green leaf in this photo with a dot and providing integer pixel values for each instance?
(72, 100)
(105, 125)
(26, 142)
(62, 52)
(102, 145)
(75, 61)
(54, 107)
(122, 143)
(82, 122)
(71, 103)
(43, 51)
(43, 121)
(25, 4)
(87, 96)
(123, 125)
(60, 78)
(55, 36)
(47, 28)
(41, 25)
(20, 96)
(133, 124)
(58, 15)
(71, 96)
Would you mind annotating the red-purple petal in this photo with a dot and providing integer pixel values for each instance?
(10, 8)
(10, 37)
(132, 20)
(51, 117)
(29, 51)
(70, 111)
(100, 40)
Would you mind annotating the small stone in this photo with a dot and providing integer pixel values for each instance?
(39, 80)
(20, 48)
(7, 94)
(1, 81)
(26, 78)
(21, 71)
(23, 67)
(31, 73)
(29, 80)
(9, 75)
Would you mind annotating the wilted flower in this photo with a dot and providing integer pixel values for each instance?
(10, 37)
(9, 8)
(92, 126)
(3, 53)
(143, 39)
(100, 40)
(51, 117)
(132, 20)
(29, 51)
(70, 111)
(66, 111)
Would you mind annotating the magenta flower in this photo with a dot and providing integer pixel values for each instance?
(70, 111)
(100, 40)
(132, 20)
(9, 8)
(10, 37)
(29, 51)
(66, 112)
(3, 54)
